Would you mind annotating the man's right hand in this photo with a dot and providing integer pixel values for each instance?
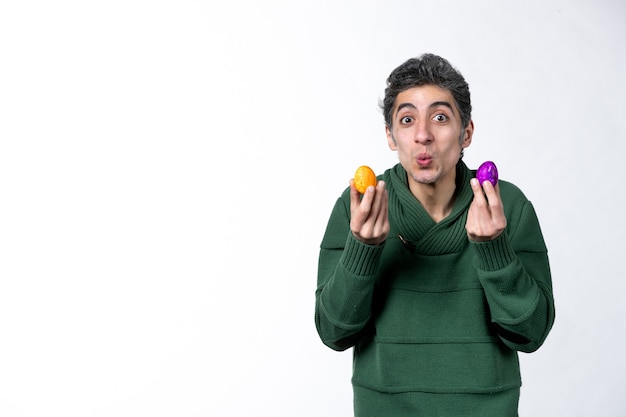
(369, 214)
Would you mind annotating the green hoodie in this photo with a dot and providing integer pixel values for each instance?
(429, 312)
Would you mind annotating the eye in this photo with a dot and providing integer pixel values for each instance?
(440, 117)
(406, 120)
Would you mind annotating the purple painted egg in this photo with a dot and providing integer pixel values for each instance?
(487, 171)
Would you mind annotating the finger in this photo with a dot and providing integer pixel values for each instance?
(496, 207)
(382, 220)
(361, 205)
(378, 196)
(355, 197)
(492, 193)
(479, 195)
(379, 201)
(376, 226)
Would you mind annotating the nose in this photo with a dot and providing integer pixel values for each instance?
(422, 133)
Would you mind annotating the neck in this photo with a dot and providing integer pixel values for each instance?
(437, 199)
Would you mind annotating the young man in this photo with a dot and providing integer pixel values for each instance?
(435, 280)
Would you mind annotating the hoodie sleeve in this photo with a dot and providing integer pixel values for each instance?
(345, 282)
(515, 274)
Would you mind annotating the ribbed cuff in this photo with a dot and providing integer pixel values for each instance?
(359, 258)
(495, 254)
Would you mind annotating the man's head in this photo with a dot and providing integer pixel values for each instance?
(428, 69)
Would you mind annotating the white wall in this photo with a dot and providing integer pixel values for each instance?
(167, 169)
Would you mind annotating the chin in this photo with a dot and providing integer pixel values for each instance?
(420, 178)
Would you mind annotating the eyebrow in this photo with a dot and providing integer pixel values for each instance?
(432, 105)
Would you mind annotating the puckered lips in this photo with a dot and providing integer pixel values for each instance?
(424, 159)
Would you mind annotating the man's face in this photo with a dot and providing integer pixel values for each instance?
(428, 134)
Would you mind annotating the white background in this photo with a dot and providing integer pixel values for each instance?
(167, 169)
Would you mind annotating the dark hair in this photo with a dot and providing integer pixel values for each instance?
(428, 69)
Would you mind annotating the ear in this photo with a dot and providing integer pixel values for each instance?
(468, 134)
(390, 139)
